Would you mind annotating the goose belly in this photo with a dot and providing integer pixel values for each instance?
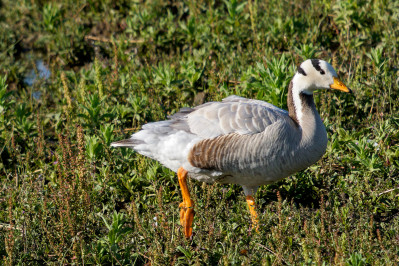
(266, 171)
(260, 159)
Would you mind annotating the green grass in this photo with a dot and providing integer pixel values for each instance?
(67, 197)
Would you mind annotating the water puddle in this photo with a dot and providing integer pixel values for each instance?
(43, 73)
(36, 95)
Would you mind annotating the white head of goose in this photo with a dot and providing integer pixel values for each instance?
(241, 141)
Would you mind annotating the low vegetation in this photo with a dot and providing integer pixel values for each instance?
(77, 75)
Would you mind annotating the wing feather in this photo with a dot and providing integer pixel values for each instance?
(233, 115)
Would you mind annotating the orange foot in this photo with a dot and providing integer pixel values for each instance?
(187, 206)
(254, 215)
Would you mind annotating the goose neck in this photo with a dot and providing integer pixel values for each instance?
(301, 107)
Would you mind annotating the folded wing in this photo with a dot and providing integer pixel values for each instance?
(233, 115)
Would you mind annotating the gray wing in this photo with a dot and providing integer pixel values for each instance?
(235, 98)
(233, 115)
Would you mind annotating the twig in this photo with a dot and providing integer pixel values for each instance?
(271, 251)
(103, 39)
(130, 129)
(127, 129)
(387, 191)
(80, 9)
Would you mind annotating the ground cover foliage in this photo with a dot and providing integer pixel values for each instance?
(77, 75)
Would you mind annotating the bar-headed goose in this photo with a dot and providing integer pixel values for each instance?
(241, 141)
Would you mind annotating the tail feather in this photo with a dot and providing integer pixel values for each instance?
(130, 143)
(163, 142)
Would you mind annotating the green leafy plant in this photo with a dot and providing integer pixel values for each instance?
(271, 80)
(107, 133)
(235, 10)
(356, 259)
(306, 51)
(94, 115)
(366, 153)
(4, 95)
(51, 17)
(5, 101)
(138, 105)
(22, 120)
(165, 75)
(377, 59)
(189, 28)
(108, 248)
(93, 147)
(191, 73)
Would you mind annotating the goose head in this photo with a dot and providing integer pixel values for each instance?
(314, 74)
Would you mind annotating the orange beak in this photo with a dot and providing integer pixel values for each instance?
(339, 85)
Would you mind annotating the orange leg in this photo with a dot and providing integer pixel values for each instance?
(254, 215)
(187, 206)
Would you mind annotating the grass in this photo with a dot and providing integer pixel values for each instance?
(67, 197)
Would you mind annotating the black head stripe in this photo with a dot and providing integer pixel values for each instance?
(316, 65)
(301, 71)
